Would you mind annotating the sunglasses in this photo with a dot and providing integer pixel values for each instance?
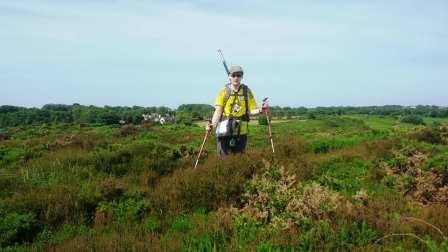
(237, 75)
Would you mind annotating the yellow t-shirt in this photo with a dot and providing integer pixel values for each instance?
(236, 107)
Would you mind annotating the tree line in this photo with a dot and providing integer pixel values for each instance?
(11, 116)
(386, 110)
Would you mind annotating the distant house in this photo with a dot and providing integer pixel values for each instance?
(147, 117)
(154, 117)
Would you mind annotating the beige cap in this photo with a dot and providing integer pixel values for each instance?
(235, 69)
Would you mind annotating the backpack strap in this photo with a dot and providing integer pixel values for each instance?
(226, 98)
(245, 117)
(246, 101)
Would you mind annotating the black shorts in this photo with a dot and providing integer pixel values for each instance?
(231, 144)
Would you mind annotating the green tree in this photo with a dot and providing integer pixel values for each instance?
(184, 118)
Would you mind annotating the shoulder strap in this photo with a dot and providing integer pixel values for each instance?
(226, 98)
(246, 97)
(246, 101)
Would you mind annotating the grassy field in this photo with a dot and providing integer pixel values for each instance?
(342, 183)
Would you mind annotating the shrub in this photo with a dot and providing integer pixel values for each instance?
(327, 145)
(112, 162)
(123, 213)
(390, 181)
(139, 156)
(184, 118)
(212, 184)
(311, 116)
(111, 189)
(86, 140)
(11, 156)
(344, 176)
(128, 130)
(51, 237)
(290, 147)
(276, 199)
(109, 118)
(181, 223)
(412, 119)
(16, 227)
(439, 164)
(52, 206)
(433, 135)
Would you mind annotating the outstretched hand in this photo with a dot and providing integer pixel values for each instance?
(265, 105)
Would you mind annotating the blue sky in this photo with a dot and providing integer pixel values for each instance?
(153, 53)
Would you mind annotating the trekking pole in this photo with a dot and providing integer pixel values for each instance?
(269, 126)
(207, 131)
(223, 61)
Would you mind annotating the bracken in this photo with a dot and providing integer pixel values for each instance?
(277, 199)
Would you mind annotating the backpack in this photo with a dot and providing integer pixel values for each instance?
(227, 125)
(245, 117)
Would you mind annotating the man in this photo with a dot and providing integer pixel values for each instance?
(234, 104)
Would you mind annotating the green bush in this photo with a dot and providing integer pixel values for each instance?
(11, 156)
(389, 181)
(439, 164)
(112, 162)
(311, 116)
(330, 144)
(341, 175)
(123, 213)
(412, 119)
(16, 227)
(181, 223)
(184, 118)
